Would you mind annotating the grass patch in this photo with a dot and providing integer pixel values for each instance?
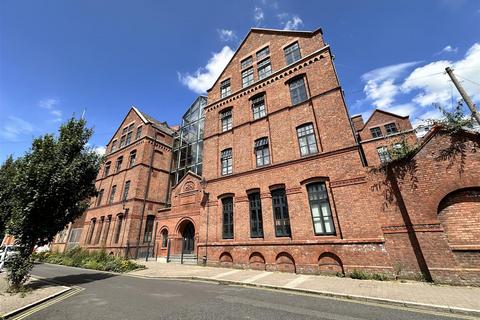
(96, 260)
(363, 275)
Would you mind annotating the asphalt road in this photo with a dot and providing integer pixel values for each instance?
(107, 296)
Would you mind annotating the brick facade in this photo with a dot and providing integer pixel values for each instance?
(378, 120)
(421, 220)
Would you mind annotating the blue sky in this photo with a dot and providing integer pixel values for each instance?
(59, 58)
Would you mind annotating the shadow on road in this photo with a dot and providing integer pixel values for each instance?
(74, 279)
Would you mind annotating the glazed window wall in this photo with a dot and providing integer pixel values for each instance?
(188, 143)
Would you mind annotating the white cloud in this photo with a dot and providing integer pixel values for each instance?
(388, 72)
(435, 86)
(51, 104)
(448, 49)
(258, 15)
(226, 35)
(48, 103)
(100, 150)
(14, 128)
(205, 77)
(393, 88)
(294, 23)
(404, 109)
(380, 84)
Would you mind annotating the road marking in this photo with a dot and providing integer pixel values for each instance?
(226, 274)
(257, 277)
(48, 303)
(295, 282)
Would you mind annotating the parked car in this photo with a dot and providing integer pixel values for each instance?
(6, 253)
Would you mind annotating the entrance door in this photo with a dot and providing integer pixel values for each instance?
(188, 238)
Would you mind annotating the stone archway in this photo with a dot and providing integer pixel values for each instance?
(285, 262)
(330, 263)
(459, 214)
(186, 231)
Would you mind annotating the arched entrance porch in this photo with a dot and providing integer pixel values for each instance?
(188, 237)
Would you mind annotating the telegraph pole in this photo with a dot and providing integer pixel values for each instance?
(464, 94)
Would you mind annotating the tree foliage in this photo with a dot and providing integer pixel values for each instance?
(49, 187)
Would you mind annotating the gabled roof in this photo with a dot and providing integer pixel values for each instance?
(188, 173)
(381, 111)
(162, 126)
(266, 31)
(437, 129)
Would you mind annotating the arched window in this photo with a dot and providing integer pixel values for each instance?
(320, 209)
(147, 237)
(99, 197)
(91, 230)
(280, 213)
(258, 106)
(227, 215)
(262, 152)
(226, 119)
(226, 160)
(118, 165)
(306, 139)
(99, 230)
(126, 188)
(118, 228)
(164, 238)
(106, 170)
(298, 90)
(133, 158)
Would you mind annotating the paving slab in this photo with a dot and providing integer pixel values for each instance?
(458, 299)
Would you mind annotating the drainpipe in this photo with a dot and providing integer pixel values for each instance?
(150, 169)
(203, 183)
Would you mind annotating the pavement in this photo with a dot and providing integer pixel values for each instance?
(37, 291)
(109, 296)
(442, 298)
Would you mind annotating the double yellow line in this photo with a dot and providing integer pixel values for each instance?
(48, 303)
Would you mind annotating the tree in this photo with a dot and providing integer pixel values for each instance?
(7, 171)
(47, 188)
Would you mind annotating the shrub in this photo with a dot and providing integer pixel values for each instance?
(18, 270)
(97, 260)
(363, 275)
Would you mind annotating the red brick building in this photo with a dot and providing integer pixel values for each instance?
(382, 132)
(283, 180)
(133, 184)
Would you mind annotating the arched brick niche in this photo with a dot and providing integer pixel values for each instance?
(257, 261)
(285, 262)
(330, 263)
(226, 260)
(459, 214)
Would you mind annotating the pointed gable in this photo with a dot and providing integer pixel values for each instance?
(258, 39)
(187, 191)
